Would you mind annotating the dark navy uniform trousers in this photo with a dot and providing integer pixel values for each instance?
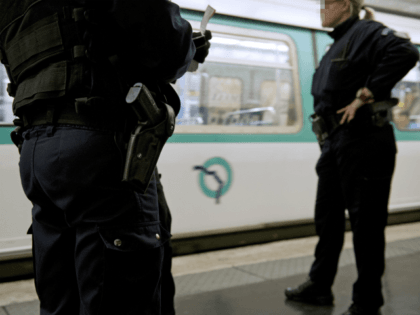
(97, 244)
(168, 284)
(355, 172)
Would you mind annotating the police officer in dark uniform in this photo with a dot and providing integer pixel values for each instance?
(168, 283)
(97, 243)
(352, 91)
(202, 44)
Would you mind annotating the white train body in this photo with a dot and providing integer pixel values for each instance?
(266, 161)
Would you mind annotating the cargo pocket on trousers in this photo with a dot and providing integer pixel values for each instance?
(132, 260)
(133, 252)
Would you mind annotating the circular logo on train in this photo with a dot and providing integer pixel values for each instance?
(215, 177)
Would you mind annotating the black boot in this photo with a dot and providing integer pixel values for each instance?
(358, 310)
(310, 292)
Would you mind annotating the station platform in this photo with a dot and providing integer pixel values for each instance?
(252, 280)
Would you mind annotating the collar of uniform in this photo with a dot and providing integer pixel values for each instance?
(342, 28)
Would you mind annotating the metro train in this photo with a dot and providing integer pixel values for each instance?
(243, 155)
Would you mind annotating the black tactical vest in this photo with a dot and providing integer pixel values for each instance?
(41, 47)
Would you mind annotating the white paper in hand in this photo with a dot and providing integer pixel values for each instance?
(206, 18)
(210, 12)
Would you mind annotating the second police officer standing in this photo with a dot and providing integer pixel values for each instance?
(97, 243)
(352, 91)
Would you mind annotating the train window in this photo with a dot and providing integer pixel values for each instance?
(406, 115)
(249, 83)
(6, 112)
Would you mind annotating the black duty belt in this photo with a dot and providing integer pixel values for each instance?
(332, 122)
(324, 126)
(67, 113)
(377, 114)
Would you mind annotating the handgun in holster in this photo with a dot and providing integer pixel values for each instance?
(156, 123)
(381, 111)
(319, 127)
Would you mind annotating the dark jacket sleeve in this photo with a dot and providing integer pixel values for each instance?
(391, 57)
(150, 36)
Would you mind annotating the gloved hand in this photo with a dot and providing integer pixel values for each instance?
(202, 45)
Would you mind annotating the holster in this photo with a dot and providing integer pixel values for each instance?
(16, 134)
(319, 127)
(381, 111)
(144, 148)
